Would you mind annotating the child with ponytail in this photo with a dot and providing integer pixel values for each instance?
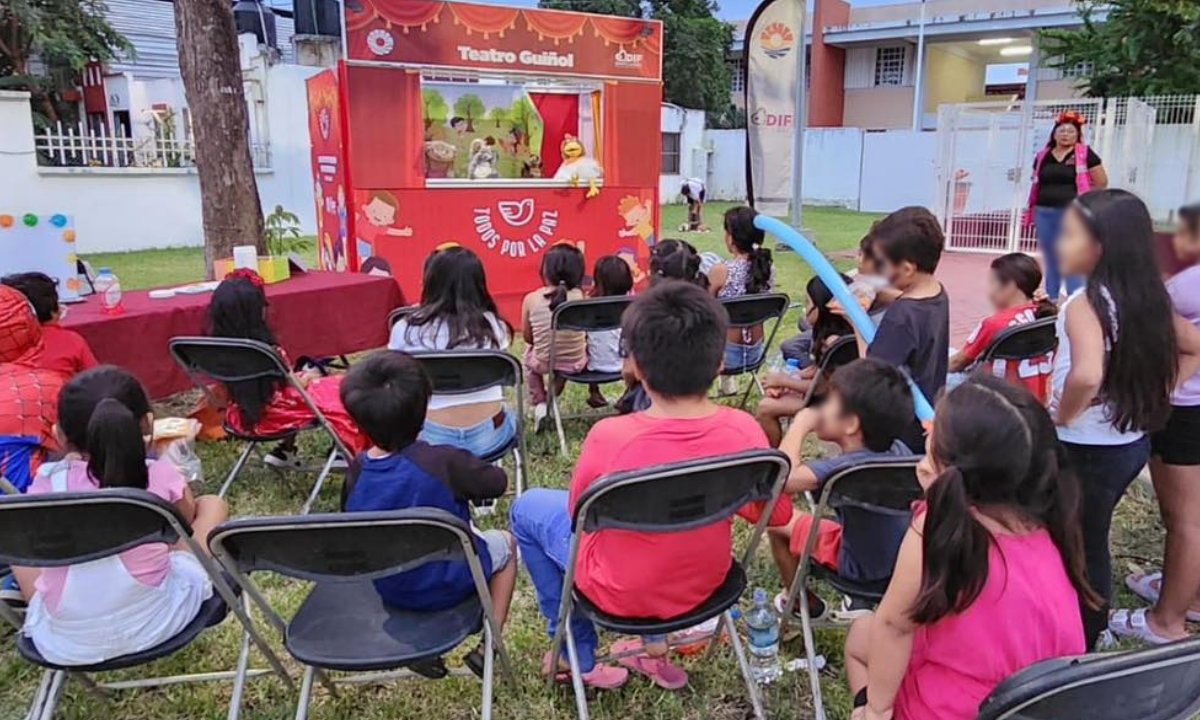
(562, 273)
(991, 573)
(95, 611)
(749, 272)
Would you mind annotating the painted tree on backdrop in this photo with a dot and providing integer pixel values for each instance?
(63, 35)
(1142, 48)
(471, 108)
(212, 80)
(695, 45)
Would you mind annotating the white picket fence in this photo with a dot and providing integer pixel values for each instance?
(80, 146)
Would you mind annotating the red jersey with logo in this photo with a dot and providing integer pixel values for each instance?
(1033, 373)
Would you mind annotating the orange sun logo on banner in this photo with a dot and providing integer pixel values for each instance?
(776, 40)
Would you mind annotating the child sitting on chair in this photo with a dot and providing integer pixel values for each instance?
(1013, 285)
(66, 352)
(387, 395)
(271, 406)
(92, 612)
(675, 336)
(562, 273)
(869, 403)
(612, 278)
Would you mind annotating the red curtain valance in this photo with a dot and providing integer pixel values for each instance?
(556, 26)
(484, 19)
(404, 14)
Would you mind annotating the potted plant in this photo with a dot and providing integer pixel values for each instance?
(281, 235)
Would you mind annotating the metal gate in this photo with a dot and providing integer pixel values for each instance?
(985, 163)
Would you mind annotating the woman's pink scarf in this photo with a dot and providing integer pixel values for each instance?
(1083, 178)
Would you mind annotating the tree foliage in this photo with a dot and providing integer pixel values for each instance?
(1142, 48)
(435, 109)
(471, 108)
(695, 45)
(62, 36)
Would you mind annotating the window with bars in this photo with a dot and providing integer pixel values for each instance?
(737, 75)
(670, 153)
(889, 65)
(1082, 69)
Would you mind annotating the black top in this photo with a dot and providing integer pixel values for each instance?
(915, 334)
(1056, 180)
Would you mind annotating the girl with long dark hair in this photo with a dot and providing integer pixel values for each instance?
(612, 278)
(1115, 365)
(990, 574)
(1063, 170)
(674, 259)
(95, 611)
(749, 272)
(562, 274)
(1175, 470)
(271, 406)
(458, 313)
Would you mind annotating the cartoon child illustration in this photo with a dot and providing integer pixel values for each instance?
(376, 218)
(629, 255)
(639, 219)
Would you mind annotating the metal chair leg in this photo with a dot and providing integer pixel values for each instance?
(519, 469)
(305, 693)
(558, 423)
(237, 468)
(743, 663)
(488, 674)
(53, 693)
(810, 654)
(754, 383)
(39, 696)
(576, 676)
(239, 681)
(312, 496)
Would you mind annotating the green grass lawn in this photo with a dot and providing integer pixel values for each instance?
(715, 691)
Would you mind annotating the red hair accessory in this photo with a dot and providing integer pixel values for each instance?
(247, 274)
(1070, 116)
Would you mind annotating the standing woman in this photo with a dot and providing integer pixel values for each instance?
(1115, 366)
(1063, 170)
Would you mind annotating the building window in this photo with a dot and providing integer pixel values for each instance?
(889, 65)
(670, 153)
(737, 75)
(1082, 69)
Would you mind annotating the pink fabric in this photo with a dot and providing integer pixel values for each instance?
(1083, 178)
(148, 564)
(661, 575)
(1028, 612)
(536, 369)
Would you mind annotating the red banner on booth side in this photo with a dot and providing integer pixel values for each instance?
(329, 172)
(433, 33)
(508, 228)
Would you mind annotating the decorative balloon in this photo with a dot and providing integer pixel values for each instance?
(833, 280)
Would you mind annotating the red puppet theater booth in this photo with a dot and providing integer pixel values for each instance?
(446, 122)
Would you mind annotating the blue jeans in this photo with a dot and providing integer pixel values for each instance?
(480, 440)
(542, 525)
(738, 356)
(1048, 223)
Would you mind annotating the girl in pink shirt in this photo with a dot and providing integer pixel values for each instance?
(988, 581)
(132, 601)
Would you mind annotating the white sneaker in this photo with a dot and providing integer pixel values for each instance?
(540, 412)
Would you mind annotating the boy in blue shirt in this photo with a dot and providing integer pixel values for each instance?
(867, 408)
(387, 395)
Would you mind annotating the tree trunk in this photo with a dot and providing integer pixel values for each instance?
(212, 80)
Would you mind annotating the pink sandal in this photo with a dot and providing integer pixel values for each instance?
(601, 677)
(661, 671)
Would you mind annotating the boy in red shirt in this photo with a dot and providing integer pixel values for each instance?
(28, 394)
(65, 351)
(1012, 285)
(674, 342)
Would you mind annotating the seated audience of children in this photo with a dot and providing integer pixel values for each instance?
(785, 391)
(562, 275)
(749, 272)
(990, 573)
(95, 611)
(387, 395)
(612, 278)
(868, 405)
(271, 406)
(457, 313)
(675, 336)
(1012, 284)
(28, 392)
(65, 351)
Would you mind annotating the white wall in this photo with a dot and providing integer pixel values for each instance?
(136, 208)
(899, 168)
(693, 151)
(832, 161)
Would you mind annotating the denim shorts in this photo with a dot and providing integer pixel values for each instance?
(498, 549)
(481, 440)
(738, 356)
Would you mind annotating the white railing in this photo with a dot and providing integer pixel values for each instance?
(79, 146)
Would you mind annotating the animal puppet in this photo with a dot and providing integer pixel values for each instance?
(532, 168)
(578, 168)
(439, 158)
(484, 162)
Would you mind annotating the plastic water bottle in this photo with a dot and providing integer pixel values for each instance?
(108, 287)
(762, 622)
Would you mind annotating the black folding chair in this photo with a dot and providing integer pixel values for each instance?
(228, 360)
(663, 499)
(400, 313)
(750, 311)
(591, 315)
(62, 529)
(343, 624)
(843, 352)
(1160, 683)
(862, 493)
(1022, 343)
(455, 372)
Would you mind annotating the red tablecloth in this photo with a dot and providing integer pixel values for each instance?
(316, 313)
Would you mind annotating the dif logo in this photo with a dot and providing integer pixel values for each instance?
(764, 118)
(627, 59)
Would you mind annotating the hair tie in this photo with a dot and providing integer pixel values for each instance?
(756, 246)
